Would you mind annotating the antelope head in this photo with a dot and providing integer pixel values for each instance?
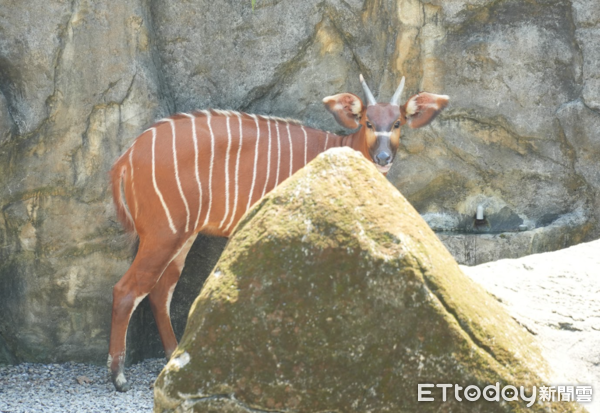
(379, 135)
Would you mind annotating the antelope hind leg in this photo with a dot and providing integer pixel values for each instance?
(160, 298)
(145, 271)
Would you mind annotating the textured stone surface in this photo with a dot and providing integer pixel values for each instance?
(80, 79)
(520, 128)
(479, 247)
(555, 296)
(6, 122)
(79, 84)
(345, 305)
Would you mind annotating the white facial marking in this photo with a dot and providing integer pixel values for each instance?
(383, 169)
(386, 134)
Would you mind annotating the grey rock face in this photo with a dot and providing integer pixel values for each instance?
(515, 71)
(79, 85)
(509, 67)
(80, 79)
(586, 16)
(6, 122)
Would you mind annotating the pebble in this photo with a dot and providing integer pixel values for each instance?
(75, 387)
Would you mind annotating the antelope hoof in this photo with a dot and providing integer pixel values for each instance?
(120, 382)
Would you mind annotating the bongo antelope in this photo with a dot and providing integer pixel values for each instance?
(200, 172)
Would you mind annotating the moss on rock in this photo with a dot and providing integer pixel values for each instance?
(333, 295)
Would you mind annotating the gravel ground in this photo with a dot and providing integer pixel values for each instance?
(75, 387)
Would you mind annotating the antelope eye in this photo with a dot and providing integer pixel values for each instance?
(369, 125)
(397, 124)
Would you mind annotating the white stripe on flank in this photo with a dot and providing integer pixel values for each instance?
(268, 159)
(212, 161)
(135, 204)
(162, 200)
(255, 161)
(326, 140)
(291, 149)
(227, 171)
(176, 166)
(237, 174)
(195, 138)
(278, 153)
(305, 144)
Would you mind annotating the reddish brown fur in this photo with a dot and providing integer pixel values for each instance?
(167, 228)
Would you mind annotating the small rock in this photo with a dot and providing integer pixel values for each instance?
(83, 380)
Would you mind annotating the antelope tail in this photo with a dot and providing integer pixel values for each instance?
(117, 173)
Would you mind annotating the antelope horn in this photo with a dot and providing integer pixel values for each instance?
(370, 98)
(398, 94)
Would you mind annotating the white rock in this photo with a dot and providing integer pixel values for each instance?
(555, 295)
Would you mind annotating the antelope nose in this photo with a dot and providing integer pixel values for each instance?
(383, 158)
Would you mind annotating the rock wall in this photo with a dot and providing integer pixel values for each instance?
(79, 79)
(523, 121)
(79, 84)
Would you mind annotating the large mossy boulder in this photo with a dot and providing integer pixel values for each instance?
(333, 295)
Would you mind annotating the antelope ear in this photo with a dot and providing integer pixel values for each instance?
(422, 108)
(346, 108)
